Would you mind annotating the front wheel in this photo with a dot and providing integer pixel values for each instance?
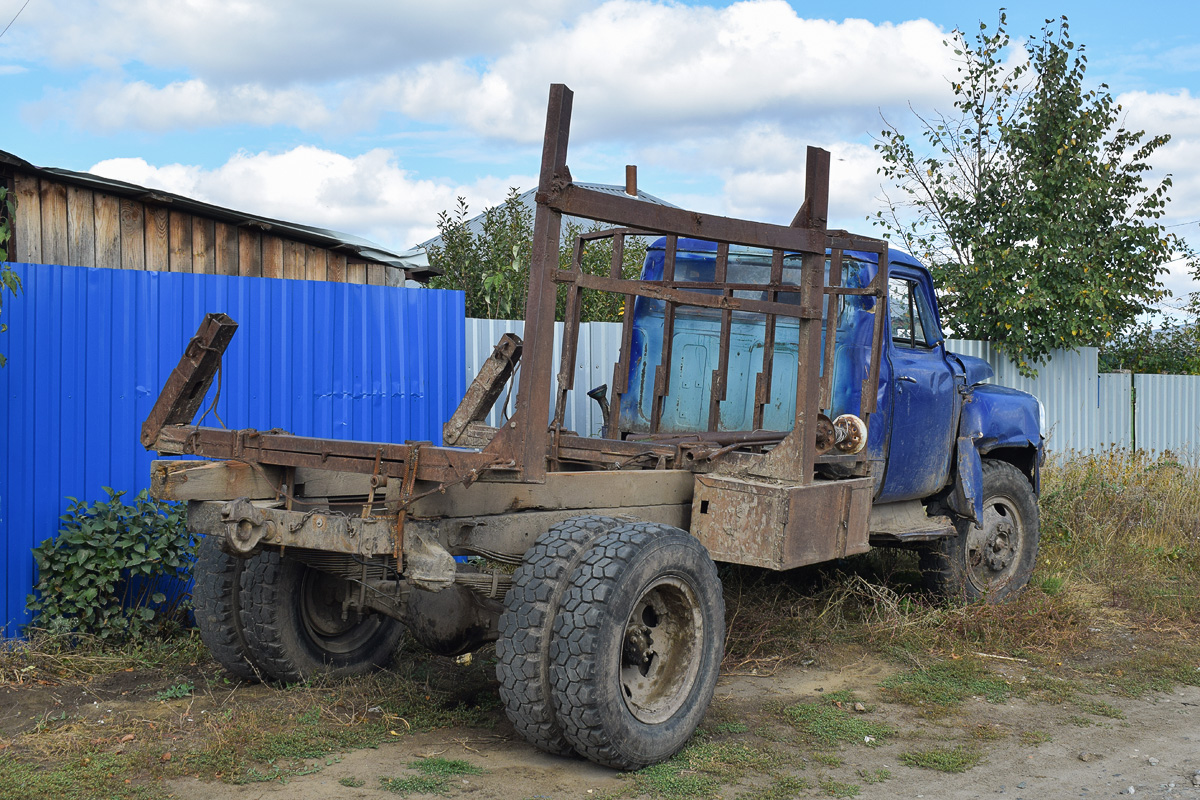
(637, 645)
(296, 625)
(993, 559)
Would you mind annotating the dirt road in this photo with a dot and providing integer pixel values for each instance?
(1148, 747)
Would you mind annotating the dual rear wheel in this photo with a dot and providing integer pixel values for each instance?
(273, 617)
(611, 641)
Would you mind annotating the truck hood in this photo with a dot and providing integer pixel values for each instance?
(996, 416)
(975, 369)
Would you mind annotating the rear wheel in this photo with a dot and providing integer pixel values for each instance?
(296, 625)
(530, 607)
(637, 645)
(215, 600)
(993, 559)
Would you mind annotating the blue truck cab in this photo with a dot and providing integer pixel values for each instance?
(955, 460)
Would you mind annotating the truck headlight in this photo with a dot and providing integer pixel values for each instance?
(1041, 419)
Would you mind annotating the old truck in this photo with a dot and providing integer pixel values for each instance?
(782, 397)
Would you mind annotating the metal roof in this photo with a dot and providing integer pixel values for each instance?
(413, 262)
(526, 199)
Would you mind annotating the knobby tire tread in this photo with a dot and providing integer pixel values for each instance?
(582, 710)
(215, 595)
(527, 623)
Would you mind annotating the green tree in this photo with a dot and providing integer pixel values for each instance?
(597, 260)
(1031, 202)
(491, 264)
(8, 278)
(1172, 348)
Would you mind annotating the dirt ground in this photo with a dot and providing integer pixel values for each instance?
(1165, 728)
(1148, 747)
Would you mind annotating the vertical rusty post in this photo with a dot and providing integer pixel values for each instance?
(570, 340)
(762, 386)
(794, 459)
(617, 267)
(870, 385)
(812, 292)
(720, 375)
(662, 374)
(533, 397)
(831, 307)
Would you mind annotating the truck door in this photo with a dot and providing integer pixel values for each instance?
(922, 393)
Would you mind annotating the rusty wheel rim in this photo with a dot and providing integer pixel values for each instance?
(322, 616)
(994, 547)
(660, 650)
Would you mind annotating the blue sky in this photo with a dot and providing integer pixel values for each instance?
(372, 116)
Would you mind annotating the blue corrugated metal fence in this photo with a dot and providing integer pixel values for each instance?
(89, 350)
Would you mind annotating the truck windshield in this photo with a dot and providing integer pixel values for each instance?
(695, 262)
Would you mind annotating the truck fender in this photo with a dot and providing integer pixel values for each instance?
(966, 499)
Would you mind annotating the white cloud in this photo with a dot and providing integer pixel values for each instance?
(369, 195)
(641, 66)
(270, 42)
(191, 104)
(1178, 114)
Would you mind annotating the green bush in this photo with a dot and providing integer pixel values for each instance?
(116, 570)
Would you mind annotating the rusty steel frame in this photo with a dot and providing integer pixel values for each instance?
(526, 448)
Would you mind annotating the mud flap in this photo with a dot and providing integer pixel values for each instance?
(967, 497)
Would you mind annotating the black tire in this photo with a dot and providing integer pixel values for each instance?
(530, 607)
(637, 645)
(294, 628)
(215, 601)
(993, 560)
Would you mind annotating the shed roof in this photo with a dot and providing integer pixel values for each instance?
(413, 262)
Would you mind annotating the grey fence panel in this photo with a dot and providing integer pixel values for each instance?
(1167, 412)
(481, 338)
(599, 344)
(1066, 384)
(1084, 410)
(1115, 401)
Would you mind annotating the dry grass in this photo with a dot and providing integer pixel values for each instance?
(1120, 558)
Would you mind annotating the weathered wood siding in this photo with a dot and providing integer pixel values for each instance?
(78, 227)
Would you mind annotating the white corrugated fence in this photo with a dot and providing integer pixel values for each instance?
(1085, 409)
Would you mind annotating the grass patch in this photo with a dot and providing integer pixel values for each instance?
(785, 787)
(837, 788)
(85, 777)
(1160, 670)
(1100, 708)
(943, 759)
(414, 784)
(701, 768)
(988, 732)
(939, 687)
(176, 692)
(352, 782)
(1034, 738)
(434, 776)
(828, 722)
(871, 776)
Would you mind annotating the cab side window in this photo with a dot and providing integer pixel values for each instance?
(910, 317)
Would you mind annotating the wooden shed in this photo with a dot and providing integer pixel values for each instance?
(83, 220)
